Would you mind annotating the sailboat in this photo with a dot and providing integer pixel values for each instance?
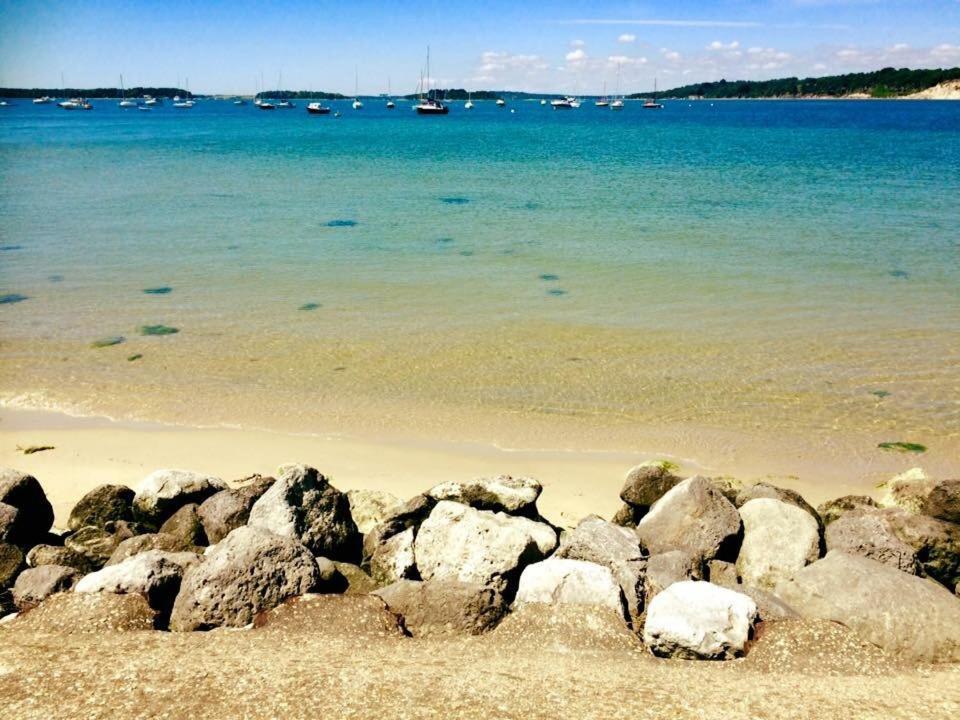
(429, 105)
(468, 105)
(653, 104)
(617, 103)
(501, 102)
(124, 103)
(603, 101)
(390, 104)
(185, 104)
(357, 105)
(283, 104)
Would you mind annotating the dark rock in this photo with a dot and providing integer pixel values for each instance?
(8, 522)
(444, 607)
(34, 512)
(870, 535)
(357, 581)
(34, 585)
(667, 568)
(628, 516)
(150, 541)
(647, 483)
(41, 555)
(722, 573)
(936, 543)
(834, 509)
(98, 544)
(186, 526)
(101, 505)
(943, 501)
(11, 563)
(230, 509)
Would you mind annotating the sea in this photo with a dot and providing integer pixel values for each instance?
(780, 274)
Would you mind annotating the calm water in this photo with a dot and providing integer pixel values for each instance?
(760, 266)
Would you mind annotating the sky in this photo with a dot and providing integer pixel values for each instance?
(565, 46)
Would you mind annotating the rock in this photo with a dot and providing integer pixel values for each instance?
(778, 540)
(369, 508)
(303, 505)
(249, 571)
(41, 555)
(34, 513)
(514, 496)
(722, 573)
(772, 492)
(627, 516)
(564, 629)
(870, 535)
(185, 525)
(729, 487)
(11, 563)
(907, 490)
(457, 542)
(444, 607)
(98, 544)
(410, 515)
(357, 582)
(229, 509)
(769, 606)
(943, 501)
(561, 581)
(898, 612)
(693, 516)
(151, 541)
(699, 621)
(34, 585)
(354, 617)
(665, 569)
(835, 509)
(615, 547)
(71, 613)
(647, 483)
(164, 492)
(8, 522)
(394, 559)
(103, 504)
(936, 543)
(154, 574)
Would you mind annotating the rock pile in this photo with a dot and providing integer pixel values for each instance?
(689, 567)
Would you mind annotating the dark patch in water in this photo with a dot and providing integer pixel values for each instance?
(574, 359)
(108, 341)
(8, 248)
(55, 278)
(341, 368)
(445, 240)
(466, 253)
(901, 274)
(904, 447)
(158, 290)
(233, 247)
(158, 330)
(556, 292)
(549, 277)
(310, 306)
(11, 298)
(530, 205)
(454, 200)
(341, 223)
(880, 393)
(135, 356)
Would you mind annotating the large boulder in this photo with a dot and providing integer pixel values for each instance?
(34, 585)
(34, 512)
(154, 574)
(249, 571)
(899, 612)
(615, 547)
(303, 505)
(229, 509)
(457, 542)
(908, 490)
(186, 526)
(665, 569)
(778, 540)
(41, 555)
(835, 509)
(503, 493)
(647, 483)
(943, 501)
(97, 544)
(394, 559)
(103, 504)
(560, 581)
(409, 515)
(692, 516)
(150, 541)
(369, 508)
(444, 607)
(8, 523)
(772, 492)
(164, 492)
(355, 618)
(71, 613)
(11, 563)
(871, 535)
(936, 542)
(699, 621)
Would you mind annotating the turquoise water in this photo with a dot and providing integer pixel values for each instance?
(745, 263)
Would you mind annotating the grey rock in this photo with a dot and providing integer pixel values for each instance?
(870, 534)
(628, 516)
(103, 504)
(98, 544)
(369, 508)
(729, 487)
(778, 540)
(943, 501)
(444, 607)
(409, 515)
(772, 492)
(936, 543)
(34, 512)
(34, 585)
(769, 606)
(899, 612)
(8, 522)
(185, 524)
(150, 541)
(229, 509)
(11, 563)
(41, 555)
(693, 516)
(249, 571)
(503, 493)
(457, 542)
(394, 559)
(303, 505)
(665, 569)
(699, 621)
(561, 581)
(835, 509)
(647, 483)
(164, 492)
(723, 573)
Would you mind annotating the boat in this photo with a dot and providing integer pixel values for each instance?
(150, 101)
(468, 105)
(239, 101)
(144, 108)
(124, 103)
(76, 104)
(567, 103)
(357, 105)
(266, 105)
(652, 104)
(390, 103)
(45, 100)
(286, 105)
(617, 103)
(501, 102)
(187, 104)
(316, 108)
(428, 105)
(4, 103)
(603, 100)
(543, 102)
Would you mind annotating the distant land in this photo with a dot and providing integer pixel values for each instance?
(885, 83)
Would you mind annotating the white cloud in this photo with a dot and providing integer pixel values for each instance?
(615, 60)
(576, 56)
(666, 23)
(671, 55)
(577, 43)
(946, 52)
(717, 45)
(626, 38)
(899, 47)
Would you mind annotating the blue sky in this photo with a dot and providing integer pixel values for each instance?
(548, 46)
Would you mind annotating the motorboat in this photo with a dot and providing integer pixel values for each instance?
(316, 108)
(76, 104)
(543, 102)
(286, 105)
(266, 105)
(45, 100)
(567, 103)
(144, 108)
(357, 105)
(151, 101)
(186, 104)
(501, 102)
(391, 104)
(617, 104)
(239, 101)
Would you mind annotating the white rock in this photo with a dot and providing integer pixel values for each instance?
(164, 492)
(516, 496)
(559, 581)
(699, 620)
(369, 508)
(394, 559)
(778, 540)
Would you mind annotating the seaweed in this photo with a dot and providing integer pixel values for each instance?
(310, 306)
(549, 277)
(135, 356)
(903, 447)
(55, 278)
(901, 274)
(556, 292)
(880, 393)
(445, 240)
(9, 248)
(466, 253)
(164, 290)
(158, 330)
(108, 341)
(11, 298)
(454, 200)
(31, 449)
(341, 223)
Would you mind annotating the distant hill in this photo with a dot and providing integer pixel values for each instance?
(461, 94)
(888, 82)
(133, 92)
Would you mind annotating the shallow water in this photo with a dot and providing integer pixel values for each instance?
(764, 268)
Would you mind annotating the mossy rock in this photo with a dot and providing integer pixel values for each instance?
(158, 330)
